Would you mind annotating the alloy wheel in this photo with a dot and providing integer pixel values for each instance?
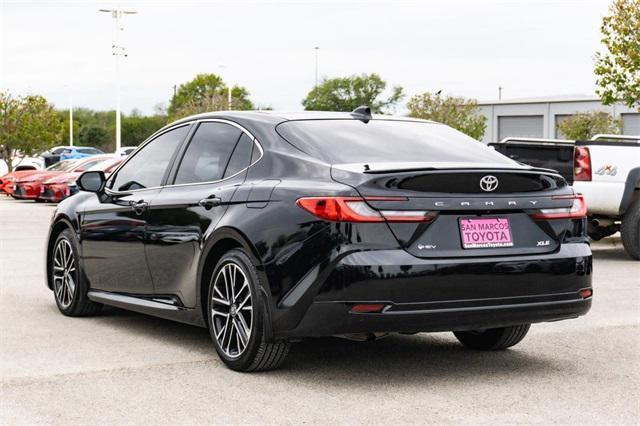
(231, 310)
(64, 268)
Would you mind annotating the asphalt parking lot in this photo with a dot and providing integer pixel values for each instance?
(122, 367)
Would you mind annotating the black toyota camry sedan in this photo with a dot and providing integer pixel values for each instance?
(267, 228)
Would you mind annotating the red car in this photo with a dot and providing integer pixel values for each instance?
(30, 187)
(63, 185)
(8, 181)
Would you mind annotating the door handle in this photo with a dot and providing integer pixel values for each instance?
(209, 202)
(139, 206)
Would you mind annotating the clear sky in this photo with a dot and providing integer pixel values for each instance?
(467, 48)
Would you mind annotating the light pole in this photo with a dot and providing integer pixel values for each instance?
(68, 89)
(316, 49)
(118, 51)
(70, 119)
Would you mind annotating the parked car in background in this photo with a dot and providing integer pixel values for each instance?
(30, 187)
(605, 170)
(63, 185)
(20, 163)
(75, 152)
(52, 156)
(125, 150)
(8, 181)
(267, 228)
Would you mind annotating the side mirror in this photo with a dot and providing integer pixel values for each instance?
(92, 181)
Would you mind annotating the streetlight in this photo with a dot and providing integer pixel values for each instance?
(118, 51)
(66, 86)
(70, 119)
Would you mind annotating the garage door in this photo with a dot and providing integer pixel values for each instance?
(526, 126)
(631, 124)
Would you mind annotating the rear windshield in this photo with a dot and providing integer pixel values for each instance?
(353, 141)
(61, 166)
(89, 151)
(106, 165)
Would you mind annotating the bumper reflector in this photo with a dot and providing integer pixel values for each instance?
(586, 293)
(368, 308)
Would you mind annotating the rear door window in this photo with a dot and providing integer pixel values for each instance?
(208, 153)
(241, 156)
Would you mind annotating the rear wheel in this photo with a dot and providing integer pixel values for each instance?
(493, 339)
(237, 319)
(69, 286)
(630, 230)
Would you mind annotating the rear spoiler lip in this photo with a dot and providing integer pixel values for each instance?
(383, 168)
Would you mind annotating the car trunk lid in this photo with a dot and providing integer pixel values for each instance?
(472, 211)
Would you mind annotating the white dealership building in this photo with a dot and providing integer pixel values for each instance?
(538, 117)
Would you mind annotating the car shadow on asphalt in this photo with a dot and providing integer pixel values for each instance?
(393, 359)
(613, 253)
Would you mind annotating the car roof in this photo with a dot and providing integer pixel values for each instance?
(280, 116)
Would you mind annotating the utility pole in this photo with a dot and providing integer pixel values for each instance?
(499, 93)
(118, 51)
(317, 48)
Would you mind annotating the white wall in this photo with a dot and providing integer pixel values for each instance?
(547, 109)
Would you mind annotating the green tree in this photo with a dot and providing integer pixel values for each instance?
(618, 68)
(583, 126)
(136, 128)
(96, 136)
(27, 124)
(460, 113)
(206, 92)
(347, 93)
(85, 119)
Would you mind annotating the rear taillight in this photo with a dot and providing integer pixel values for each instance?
(581, 164)
(577, 210)
(356, 209)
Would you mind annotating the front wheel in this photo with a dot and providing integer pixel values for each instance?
(493, 339)
(237, 318)
(69, 286)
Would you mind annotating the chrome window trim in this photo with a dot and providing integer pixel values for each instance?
(197, 121)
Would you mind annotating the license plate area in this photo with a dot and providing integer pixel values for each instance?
(485, 232)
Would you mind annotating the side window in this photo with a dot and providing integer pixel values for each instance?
(208, 153)
(147, 167)
(241, 156)
(57, 151)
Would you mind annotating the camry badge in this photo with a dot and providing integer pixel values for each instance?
(488, 183)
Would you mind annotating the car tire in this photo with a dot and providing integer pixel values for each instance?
(493, 339)
(70, 287)
(630, 230)
(237, 317)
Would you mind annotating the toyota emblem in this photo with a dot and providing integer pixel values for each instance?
(488, 183)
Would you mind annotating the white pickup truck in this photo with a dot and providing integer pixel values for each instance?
(605, 169)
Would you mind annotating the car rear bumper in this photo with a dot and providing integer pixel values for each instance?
(438, 294)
